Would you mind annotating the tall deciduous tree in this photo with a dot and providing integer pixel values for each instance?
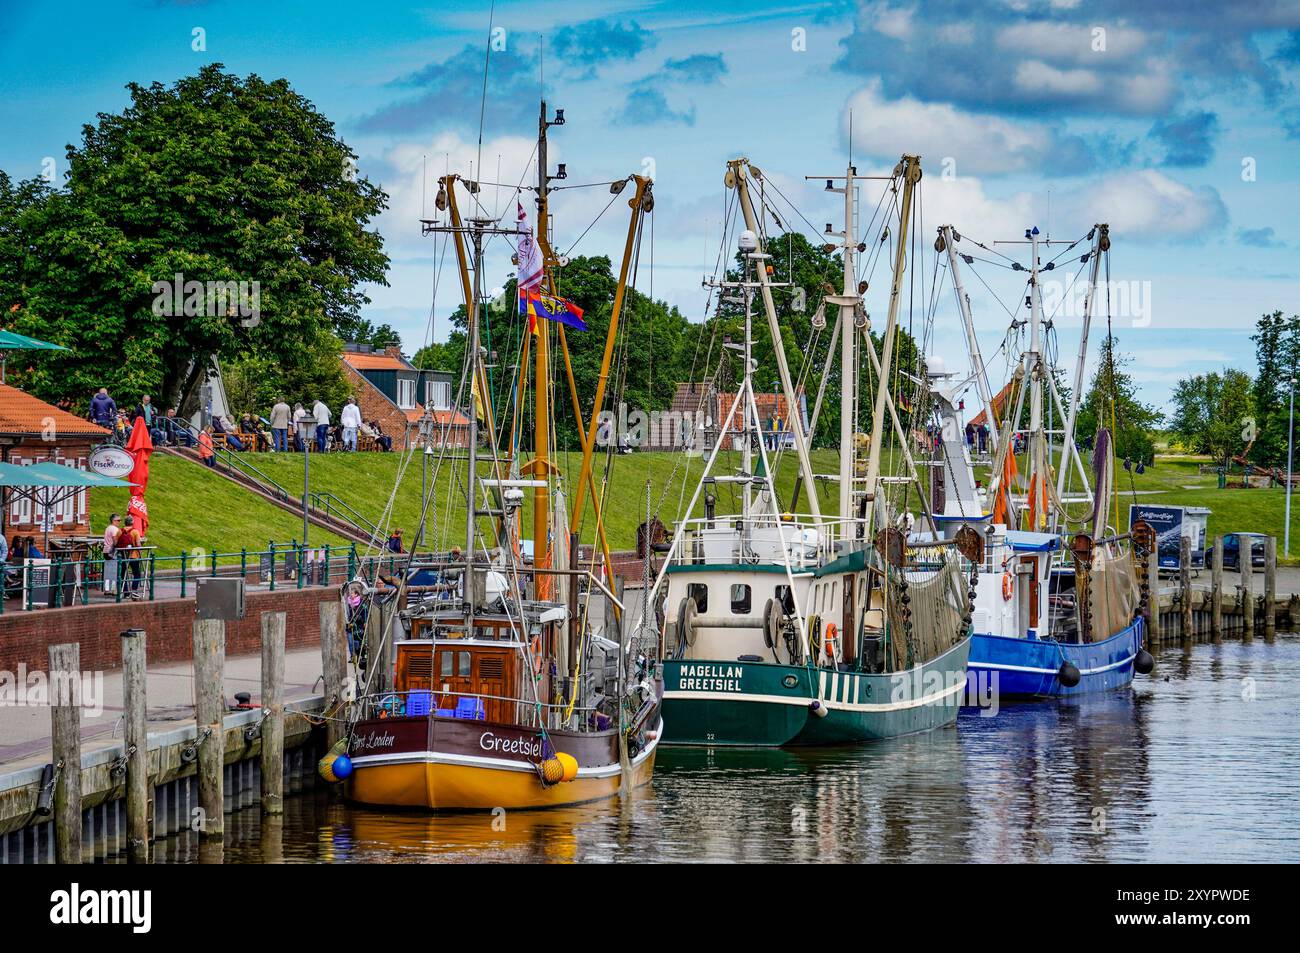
(1277, 356)
(1112, 397)
(1210, 412)
(215, 178)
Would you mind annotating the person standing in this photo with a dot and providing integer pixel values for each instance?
(984, 438)
(111, 533)
(103, 409)
(351, 421)
(302, 422)
(205, 447)
(128, 549)
(280, 418)
(321, 414)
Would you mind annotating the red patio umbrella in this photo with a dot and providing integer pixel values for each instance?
(140, 446)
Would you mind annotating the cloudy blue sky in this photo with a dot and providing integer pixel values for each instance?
(1176, 122)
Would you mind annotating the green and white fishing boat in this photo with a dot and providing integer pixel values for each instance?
(784, 629)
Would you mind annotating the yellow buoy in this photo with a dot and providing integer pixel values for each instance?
(570, 764)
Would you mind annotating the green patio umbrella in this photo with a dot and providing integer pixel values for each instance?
(13, 341)
(48, 483)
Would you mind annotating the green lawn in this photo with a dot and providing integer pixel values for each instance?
(190, 506)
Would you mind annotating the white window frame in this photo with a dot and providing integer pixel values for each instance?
(405, 393)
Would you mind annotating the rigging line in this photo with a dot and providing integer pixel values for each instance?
(482, 106)
(794, 208)
(611, 201)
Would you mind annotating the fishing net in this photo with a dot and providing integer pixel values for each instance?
(936, 606)
(1112, 592)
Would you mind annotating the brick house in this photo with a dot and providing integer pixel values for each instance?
(32, 431)
(388, 388)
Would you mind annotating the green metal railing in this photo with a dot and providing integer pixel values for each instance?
(337, 509)
(69, 581)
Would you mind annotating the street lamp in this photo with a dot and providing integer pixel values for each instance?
(306, 479)
(426, 434)
(1290, 441)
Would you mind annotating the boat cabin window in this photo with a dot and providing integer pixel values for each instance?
(454, 663)
(740, 599)
(700, 593)
(785, 596)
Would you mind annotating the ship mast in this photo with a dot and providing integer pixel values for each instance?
(540, 468)
(909, 167)
(737, 178)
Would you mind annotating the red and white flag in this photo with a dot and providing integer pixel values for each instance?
(529, 273)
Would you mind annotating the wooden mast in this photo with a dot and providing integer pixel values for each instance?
(640, 203)
(540, 466)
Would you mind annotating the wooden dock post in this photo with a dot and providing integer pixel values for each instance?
(334, 665)
(65, 713)
(209, 721)
(272, 712)
(1185, 584)
(1270, 587)
(1156, 635)
(135, 742)
(1247, 598)
(1216, 588)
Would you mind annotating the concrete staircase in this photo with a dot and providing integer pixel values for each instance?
(249, 478)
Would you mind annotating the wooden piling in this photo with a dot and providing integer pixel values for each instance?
(1270, 587)
(135, 740)
(1247, 570)
(272, 712)
(1185, 584)
(209, 720)
(65, 713)
(334, 664)
(1216, 588)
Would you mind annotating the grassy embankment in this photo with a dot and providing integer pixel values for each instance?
(190, 507)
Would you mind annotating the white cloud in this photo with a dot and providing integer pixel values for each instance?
(1038, 78)
(978, 144)
(1149, 204)
(1144, 205)
(1072, 43)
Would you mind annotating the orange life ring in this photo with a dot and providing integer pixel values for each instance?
(832, 633)
(1008, 586)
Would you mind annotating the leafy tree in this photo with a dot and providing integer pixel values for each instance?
(1277, 355)
(1210, 411)
(358, 330)
(1112, 395)
(215, 178)
(653, 353)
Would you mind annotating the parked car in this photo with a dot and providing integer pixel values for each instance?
(1232, 546)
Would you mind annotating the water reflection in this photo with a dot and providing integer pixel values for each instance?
(1200, 762)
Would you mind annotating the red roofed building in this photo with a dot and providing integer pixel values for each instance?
(390, 389)
(32, 431)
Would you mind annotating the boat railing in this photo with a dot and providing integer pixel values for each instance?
(738, 540)
(398, 704)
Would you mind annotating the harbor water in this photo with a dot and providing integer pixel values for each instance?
(1198, 762)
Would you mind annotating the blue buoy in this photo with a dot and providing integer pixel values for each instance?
(342, 767)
